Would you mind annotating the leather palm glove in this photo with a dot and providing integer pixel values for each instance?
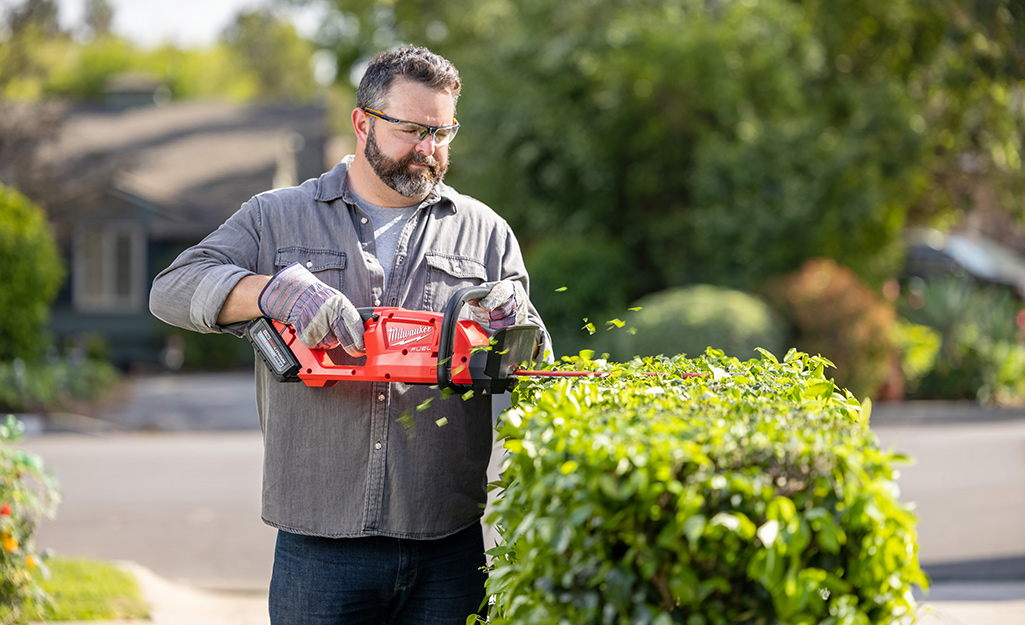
(322, 317)
(504, 306)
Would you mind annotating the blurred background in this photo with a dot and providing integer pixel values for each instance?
(842, 177)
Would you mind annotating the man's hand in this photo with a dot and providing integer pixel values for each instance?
(504, 306)
(322, 317)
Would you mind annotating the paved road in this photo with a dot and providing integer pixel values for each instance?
(172, 481)
(968, 485)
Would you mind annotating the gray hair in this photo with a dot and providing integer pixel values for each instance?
(409, 63)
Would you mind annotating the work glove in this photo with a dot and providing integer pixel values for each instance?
(504, 306)
(322, 317)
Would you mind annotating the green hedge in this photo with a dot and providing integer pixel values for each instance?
(755, 494)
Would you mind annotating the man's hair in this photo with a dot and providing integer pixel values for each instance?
(409, 63)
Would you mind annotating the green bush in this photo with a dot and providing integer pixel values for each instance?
(754, 494)
(30, 274)
(192, 351)
(27, 492)
(980, 355)
(919, 347)
(55, 385)
(834, 314)
(687, 320)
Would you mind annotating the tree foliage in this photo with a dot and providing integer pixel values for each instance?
(717, 142)
(260, 56)
(272, 52)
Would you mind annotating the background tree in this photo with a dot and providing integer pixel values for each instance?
(721, 143)
(99, 15)
(270, 50)
(41, 14)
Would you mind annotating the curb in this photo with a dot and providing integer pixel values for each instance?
(940, 413)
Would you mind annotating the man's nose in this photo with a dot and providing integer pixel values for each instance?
(427, 145)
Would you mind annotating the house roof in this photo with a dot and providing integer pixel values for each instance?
(192, 164)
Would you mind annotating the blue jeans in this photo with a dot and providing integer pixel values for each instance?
(377, 580)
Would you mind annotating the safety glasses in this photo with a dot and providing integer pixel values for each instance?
(414, 132)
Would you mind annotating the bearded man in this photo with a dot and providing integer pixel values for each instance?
(374, 525)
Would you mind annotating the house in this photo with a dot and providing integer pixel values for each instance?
(177, 171)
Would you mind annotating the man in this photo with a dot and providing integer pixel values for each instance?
(378, 508)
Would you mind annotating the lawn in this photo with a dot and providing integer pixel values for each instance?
(88, 590)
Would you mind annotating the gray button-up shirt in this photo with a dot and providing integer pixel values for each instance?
(359, 458)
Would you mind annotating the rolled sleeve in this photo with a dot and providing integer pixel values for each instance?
(209, 297)
(190, 293)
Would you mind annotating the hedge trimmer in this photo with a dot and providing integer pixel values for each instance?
(417, 347)
(412, 346)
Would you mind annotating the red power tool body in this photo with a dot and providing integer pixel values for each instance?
(416, 347)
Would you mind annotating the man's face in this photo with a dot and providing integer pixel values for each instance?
(411, 175)
(409, 167)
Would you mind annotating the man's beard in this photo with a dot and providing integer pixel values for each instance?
(396, 173)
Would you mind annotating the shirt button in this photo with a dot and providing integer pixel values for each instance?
(309, 264)
(458, 268)
(378, 445)
(364, 220)
(377, 302)
(381, 397)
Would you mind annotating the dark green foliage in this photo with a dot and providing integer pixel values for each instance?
(687, 320)
(574, 273)
(30, 274)
(756, 494)
(715, 142)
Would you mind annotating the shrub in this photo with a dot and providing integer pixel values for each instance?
(687, 320)
(834, 314)
(919, 347)
(980, 355)
(57, 384)
(26, 493)
(192, 351)
(756, 494)
(30, 274)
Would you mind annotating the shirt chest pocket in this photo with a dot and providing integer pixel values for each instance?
(447, 274)
(327, 265)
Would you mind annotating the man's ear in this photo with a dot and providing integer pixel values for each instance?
(360, 125)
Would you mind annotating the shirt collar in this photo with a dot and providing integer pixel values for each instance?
(334, 186)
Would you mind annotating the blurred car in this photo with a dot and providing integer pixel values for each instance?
(934, 254)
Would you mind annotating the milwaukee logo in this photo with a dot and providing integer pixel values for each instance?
(404, 335)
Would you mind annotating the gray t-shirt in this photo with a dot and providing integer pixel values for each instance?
(388, 224)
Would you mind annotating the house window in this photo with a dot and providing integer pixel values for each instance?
(109, 268)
